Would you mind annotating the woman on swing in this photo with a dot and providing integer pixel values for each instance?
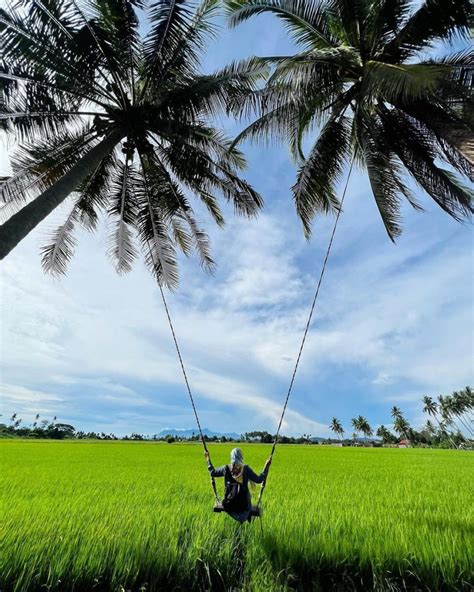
(237, 501)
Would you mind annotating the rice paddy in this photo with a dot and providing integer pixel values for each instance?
(138, 516)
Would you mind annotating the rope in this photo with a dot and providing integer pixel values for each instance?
(213, 483)
(308, 323)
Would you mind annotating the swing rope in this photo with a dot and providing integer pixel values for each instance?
(295, 370)
(308, 324)
(213, 483)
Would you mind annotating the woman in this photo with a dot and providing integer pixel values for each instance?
(237, 501)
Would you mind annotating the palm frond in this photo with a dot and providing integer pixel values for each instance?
(454, 136)
(315, 188)
(177, 36)
(37, 166)
(306, 21)
(122, 210)
(396, 83)
(160, 254)
(58, 253)
(417, 153)
(384, 21)
(382, 171)
(176, 209)
(434, 20)
(223, 91)
(201, 29)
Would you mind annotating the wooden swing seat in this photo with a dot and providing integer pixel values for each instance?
(255, 512)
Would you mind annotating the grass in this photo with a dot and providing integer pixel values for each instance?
(137, 516)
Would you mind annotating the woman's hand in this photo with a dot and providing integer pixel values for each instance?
(268, 462)
(206, 455)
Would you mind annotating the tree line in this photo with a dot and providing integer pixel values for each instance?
(453, 415)
(452, 427)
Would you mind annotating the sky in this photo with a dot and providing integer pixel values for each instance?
(393, 322)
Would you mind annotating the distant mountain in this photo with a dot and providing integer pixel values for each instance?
(183, 433)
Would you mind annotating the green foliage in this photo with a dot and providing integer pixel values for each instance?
(73, 74)
(362, 76)
(95, 515)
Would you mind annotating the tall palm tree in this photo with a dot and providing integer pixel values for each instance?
(121, 120)
(358, 423)
(336, 427)
(396, 413)
(385, 434)
(446, 410)
(431, 408)
(456, 411)
(365, 428)
(356, 426)
(362, 77)
(459, 408)
(402, 427)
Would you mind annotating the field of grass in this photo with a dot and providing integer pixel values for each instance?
(138, 516)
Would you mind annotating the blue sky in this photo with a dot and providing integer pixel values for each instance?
(393, 323)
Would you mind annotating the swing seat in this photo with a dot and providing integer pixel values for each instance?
(255, 512)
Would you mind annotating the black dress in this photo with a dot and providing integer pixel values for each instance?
(237, 501)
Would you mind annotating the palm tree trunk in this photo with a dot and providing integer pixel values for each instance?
(449, 437)
(22, 223)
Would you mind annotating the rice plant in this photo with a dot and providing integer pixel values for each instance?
(138, 516)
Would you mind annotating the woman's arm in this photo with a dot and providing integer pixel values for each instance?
(259, 478)
(219, 472)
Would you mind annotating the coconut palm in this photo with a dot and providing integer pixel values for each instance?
(396, 413)
(76, 81)
(429, 429)
(431, 408)
(365, 428)
(402, 427)
(446, 410)
(336, 427)
(358, 424)
(459, 407)
(456, 411)
(362, 77)
(385, 434)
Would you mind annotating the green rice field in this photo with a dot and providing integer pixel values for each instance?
(138, 516)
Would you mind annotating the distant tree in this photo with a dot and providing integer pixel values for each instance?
(355, 425)
(396, 413)
(431, 408)
(386, 435)
(336, 427)
(365, 427)
(170, 439)
(459, 409)
(402, 427)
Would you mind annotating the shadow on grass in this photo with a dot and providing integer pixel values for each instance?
(318, 573)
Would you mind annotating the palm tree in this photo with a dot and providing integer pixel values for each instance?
(402, 427)
(396, 413)
(361, 76)
(445, 407)
(358, 424)
(336, 427)
(459, 408)
(355, 425)
(77, 83)
(431, 408)
(365, 428)
(384, 433)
